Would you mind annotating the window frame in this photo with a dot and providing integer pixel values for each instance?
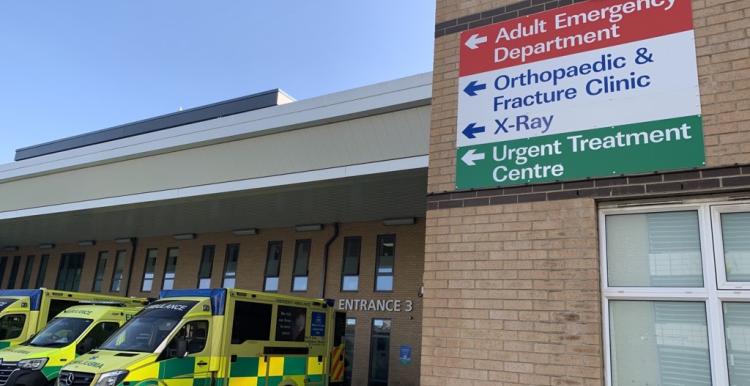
(297, 245)
(721, 270)
(226, 265)
(103, 255)
(118, 253)
(377, 264)
(41, 272)
(14, 267)
(265, 268)
(153, 273)
(204, 249)
(710, 294)
(65, 263)
(28, 267)
(166, 265)
(359, 263)
(350, 353)
(3, 267)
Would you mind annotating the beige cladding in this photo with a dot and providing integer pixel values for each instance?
(381, 137)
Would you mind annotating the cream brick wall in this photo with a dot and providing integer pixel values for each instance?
(512, 296)
(722, 29)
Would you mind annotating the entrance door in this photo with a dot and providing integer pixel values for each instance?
(380, 343)
(69, 275)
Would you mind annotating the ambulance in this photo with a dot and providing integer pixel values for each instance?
(73, 332)
(24, 312)
(219, 337)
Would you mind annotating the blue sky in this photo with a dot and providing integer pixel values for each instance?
(69, 67)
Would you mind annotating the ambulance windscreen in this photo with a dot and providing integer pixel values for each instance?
(60, 332)
(149, 328)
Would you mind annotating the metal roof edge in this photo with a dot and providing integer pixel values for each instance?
(394, 95)
(161, 122)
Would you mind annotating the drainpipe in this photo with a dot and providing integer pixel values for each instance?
(133, 246)
(326, 254)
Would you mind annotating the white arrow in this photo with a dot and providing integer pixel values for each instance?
(475, 40)
(472, 156)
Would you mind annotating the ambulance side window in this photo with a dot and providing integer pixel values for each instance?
(96, 336)
(11, 326)
(252, 321)
(193, 335)
(57, 306)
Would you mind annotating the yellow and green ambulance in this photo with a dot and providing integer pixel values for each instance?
(73, 332)
(24, 312)
(219, 337)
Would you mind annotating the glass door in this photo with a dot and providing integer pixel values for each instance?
(380, 343)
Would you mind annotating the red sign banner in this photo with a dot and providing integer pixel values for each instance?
(569, 30)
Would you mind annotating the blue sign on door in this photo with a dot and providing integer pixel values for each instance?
(405, 355)
(318, 327)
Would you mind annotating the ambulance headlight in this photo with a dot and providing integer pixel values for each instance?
(111, 378)
(32, 364)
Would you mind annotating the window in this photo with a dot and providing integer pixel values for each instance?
(60, 332)
(69, 274)
(252, 321)
(3, 264)
(101, 265)
(301, 262)
(290, 324)
(14, 272)
(737, 327)
(734, 267)
(273, 265)
(350, 264)
(169, 268)
(349, 335)
(386, 253)
(230, 266)
(57, 306)
(148, 270)
(207, 264)
(677, 301)
(148, 329)
(40, 276)
(118, 271)
(194, 333)
(27, 272)
(380, 344)
(96, 336)
(11, 326)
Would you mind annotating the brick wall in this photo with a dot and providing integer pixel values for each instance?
(408, 271)
(722, 29)
(512, 295)
(512, 292)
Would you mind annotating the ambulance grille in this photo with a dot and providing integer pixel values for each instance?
(6, 369)
(74, 378)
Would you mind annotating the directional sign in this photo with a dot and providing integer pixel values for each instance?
(594, 89)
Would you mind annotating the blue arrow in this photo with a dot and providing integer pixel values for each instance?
(473, 87)
(472, 129)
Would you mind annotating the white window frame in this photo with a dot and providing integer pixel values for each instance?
(711, 294)
(721, 269)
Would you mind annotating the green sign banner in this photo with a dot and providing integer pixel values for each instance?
(667, 144)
